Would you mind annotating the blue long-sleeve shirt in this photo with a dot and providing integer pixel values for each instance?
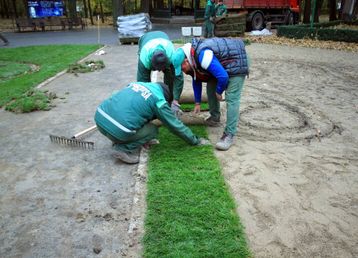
(211, 64)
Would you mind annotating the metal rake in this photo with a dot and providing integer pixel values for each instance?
(75, 140)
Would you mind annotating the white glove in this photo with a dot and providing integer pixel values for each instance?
(176, 109)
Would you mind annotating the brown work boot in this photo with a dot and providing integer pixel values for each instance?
(212, 122)
(126, 157)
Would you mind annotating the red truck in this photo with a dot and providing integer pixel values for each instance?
(260, 12)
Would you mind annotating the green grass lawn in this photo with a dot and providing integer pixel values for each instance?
(15, 76)
(190, 211)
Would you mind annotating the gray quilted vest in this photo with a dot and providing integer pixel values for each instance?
(231, 54)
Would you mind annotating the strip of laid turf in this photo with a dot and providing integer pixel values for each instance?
(190, 211)
(51, 60)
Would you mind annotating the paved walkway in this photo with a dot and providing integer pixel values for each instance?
(64, 202)
(107, 36)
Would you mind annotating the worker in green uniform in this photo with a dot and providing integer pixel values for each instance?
(156, 54)
(209, 18)
(125, 118)
(220, 9)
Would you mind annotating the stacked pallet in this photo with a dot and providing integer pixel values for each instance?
(233, 25)
(132, 27)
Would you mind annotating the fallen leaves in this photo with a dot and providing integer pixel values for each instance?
(310, 43)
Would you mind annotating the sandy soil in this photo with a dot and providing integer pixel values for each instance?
(293, 168)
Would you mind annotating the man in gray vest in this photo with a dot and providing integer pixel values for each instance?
(125, 118)
(223, 64)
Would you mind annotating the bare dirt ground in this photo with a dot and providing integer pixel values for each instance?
(293, 169)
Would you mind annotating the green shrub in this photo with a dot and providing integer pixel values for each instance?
(320, 31)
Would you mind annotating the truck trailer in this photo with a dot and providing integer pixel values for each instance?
(260, 12)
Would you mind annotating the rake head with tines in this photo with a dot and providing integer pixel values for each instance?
(74, 141)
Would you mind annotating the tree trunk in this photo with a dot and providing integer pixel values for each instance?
(340, 17)
(332, 10)
(307, 12)
(117, 10)
(24, 3)
(15, 9)
(72, 8)
(145, 6)
(160, 4)
(318, 10)
(7, 9)
(90, 12)
(1, 9)
(347, 10)
(4, 9)
(101, 10)
(85, 10)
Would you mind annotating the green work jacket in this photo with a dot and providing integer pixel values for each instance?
(209, 10)
(148, 44)
(131, 108)
(220, 10)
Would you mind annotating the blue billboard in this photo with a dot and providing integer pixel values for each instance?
(39, 9)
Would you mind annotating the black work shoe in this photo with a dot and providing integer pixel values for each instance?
(126, 157)
(225, 142)
(212, 122)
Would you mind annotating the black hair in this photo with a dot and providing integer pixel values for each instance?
(159, 60)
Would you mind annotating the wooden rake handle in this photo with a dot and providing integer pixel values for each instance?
(88, 130)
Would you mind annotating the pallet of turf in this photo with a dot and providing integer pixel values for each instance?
(233, 25)
(132, 27)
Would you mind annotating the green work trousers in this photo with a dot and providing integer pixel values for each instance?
(208, 29)
(232, 98)
(134, 141)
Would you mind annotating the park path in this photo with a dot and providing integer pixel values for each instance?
(65, 202)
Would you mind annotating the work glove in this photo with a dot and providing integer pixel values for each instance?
(203, 141)
(176, 109)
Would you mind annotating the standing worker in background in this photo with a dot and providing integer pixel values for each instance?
(125, 118)
(209, 18)
(156, 54)
(223, 64)
(220, 9)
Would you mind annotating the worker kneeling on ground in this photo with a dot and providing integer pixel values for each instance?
(125, 118)
(223, 64)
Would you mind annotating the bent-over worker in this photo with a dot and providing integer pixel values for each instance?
(125, 118)
(156, 54)
(223, 64)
